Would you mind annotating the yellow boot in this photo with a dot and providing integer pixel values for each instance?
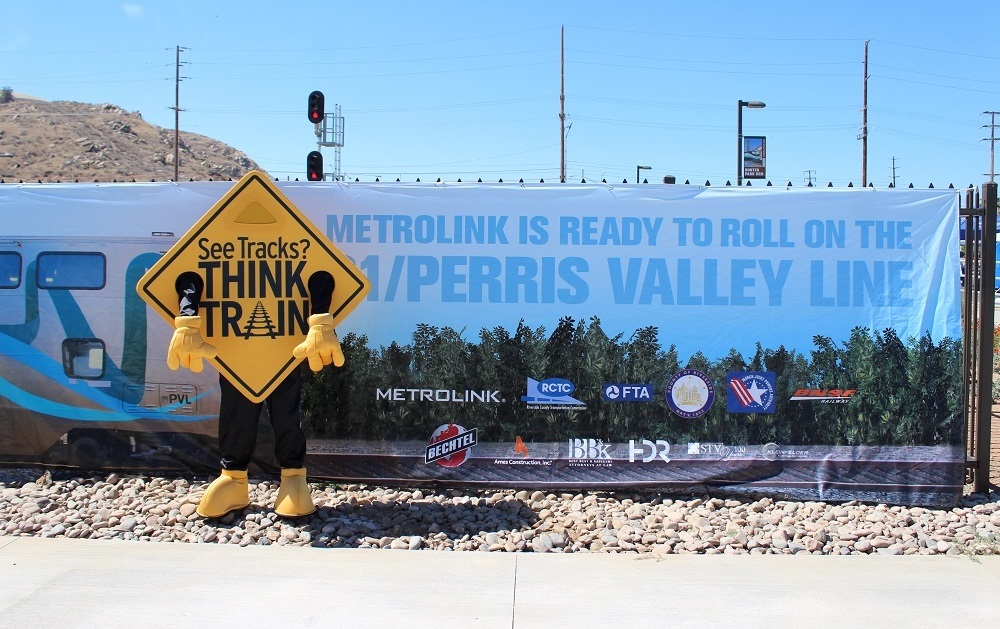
(228, 492)
(294, 498)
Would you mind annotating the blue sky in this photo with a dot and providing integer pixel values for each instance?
(471, 89)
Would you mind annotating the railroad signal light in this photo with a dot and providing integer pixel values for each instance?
(316, 110)
(314, 166)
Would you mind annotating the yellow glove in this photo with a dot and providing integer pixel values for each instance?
(321, 346)
(187, 347)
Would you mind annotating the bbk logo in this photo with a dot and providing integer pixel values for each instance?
(615, 392)
(658, 449)
(588, 449)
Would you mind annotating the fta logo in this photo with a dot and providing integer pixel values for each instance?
(615, 392)
(551, 393)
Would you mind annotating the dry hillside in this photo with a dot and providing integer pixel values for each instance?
(67, 141)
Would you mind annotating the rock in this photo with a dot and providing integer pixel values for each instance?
(541, 544)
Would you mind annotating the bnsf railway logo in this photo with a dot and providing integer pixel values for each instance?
(826, 396)
(450, 445)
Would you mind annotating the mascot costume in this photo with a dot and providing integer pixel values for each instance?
(238, 415)
(254, 288)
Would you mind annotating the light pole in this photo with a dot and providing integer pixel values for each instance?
(638, 168)
(752, 104)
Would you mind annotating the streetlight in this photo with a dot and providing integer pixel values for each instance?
(638, 168)
(752, 104)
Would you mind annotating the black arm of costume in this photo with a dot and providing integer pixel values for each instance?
(320, 292)
(189, 287)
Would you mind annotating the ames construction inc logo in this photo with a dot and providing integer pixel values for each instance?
(522, 450)
(551, 393)
(690, 393)
(825, 396)
(450, 445)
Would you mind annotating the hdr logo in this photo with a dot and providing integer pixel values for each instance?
(658, 449)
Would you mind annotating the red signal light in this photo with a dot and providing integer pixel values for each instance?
(314, 166)
(315, 109)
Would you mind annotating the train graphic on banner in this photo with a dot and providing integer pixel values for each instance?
(800, 343)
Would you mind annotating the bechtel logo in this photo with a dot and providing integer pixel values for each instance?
(450, 445)
(840, 395)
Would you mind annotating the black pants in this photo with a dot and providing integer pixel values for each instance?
(238, 419)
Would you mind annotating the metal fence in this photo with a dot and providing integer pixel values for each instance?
(979, 301)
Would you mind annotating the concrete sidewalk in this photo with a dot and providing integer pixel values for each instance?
(62, 582)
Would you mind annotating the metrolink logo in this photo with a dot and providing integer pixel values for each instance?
(438, 395)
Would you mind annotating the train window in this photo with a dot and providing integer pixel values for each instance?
(10, 269)
(83, 358)
(77, 270)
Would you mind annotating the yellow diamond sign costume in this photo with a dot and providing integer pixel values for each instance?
(255, 252)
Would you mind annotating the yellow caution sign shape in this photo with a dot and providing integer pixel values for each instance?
(255, 251)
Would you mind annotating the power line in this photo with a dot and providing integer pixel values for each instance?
(177, 114)
(992, 139)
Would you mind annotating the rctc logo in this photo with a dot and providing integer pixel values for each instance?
(556, 387)
(588, 449)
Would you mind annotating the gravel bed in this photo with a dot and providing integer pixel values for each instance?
(59, 503)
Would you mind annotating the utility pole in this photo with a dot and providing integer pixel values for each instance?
(893, 171)
(864, 125)
(177, 113)
(810, 176)
(992, 139)
(562, 104)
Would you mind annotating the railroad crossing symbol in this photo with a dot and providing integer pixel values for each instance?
(255, 252)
